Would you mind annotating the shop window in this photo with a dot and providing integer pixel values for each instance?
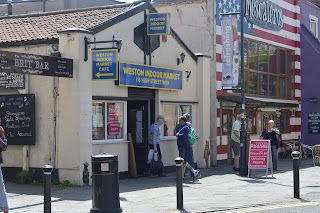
(251, 122)
(270, 71)
(314, 25)
(108, 120)
(281, 120)
(172, 112)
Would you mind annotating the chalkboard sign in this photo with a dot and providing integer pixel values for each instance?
(12, 81)
(314, 122)
(12, 62)
(17, 114)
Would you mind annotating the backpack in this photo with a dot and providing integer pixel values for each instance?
(192, 136)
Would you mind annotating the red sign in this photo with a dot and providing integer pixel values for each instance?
(114, 129)
(258, 156)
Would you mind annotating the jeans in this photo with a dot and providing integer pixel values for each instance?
(274, 152)
(3, 196)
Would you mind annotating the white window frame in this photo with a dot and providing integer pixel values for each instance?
(125, 123)
(175, 103)
(313, 19)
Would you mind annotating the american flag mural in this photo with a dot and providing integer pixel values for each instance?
(288, 37)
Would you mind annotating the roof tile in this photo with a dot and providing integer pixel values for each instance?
(47, 25)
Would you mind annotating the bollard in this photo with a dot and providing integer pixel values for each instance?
(47, 170)
(296, 182)
(179, 164)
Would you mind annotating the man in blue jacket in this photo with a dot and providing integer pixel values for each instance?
(184, 146)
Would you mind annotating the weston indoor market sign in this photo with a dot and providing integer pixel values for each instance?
(265, 14)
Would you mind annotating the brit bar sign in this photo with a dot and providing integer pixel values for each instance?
(11, 62)
(265, 14)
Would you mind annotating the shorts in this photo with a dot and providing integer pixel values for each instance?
(186, 155)
(235, 147)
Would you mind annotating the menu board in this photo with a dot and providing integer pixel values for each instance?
(314, 122)
(279, 120)
(17, 114)
(12, 81)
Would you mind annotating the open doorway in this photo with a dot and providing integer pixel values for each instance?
(141, 114)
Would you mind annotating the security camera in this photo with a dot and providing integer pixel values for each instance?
(53, 48)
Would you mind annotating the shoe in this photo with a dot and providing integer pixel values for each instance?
(163, 175)
(235, 169)
(276, 169)
(196, 174)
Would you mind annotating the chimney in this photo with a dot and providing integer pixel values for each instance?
(9, 8)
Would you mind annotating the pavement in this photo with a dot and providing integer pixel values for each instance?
(219, 190)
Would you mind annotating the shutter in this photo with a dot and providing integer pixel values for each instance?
(141, 94)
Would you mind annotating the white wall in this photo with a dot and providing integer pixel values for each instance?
(42, 86)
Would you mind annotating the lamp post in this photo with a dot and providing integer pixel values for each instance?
(243, 169)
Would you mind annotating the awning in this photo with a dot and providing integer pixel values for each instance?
(259, 102)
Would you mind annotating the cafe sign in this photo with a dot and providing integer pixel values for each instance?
(265, 14)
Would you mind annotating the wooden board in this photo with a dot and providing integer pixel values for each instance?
(132, 159)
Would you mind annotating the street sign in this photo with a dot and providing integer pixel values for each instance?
(105, 64)
(12, 62)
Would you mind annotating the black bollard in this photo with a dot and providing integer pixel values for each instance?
(179, 177)
(47, 170)
(296, 182)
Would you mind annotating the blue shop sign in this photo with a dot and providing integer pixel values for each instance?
(143, 76)
(105, 64)
(158, 24)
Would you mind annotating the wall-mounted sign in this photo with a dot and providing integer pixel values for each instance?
(17, 114)
(314, 122)
(12, 81)
(265, 14)
(12, 62)
(144, 76)
(158, 24)
(105, 64)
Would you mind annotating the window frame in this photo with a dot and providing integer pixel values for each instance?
(278, 75)
(125, 122)
(169, 137)
(314, 19)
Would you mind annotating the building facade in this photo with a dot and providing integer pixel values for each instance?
(85, 115)
(38, 6)
(310, 46)
(272, 64)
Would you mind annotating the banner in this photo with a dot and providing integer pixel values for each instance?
(230, 51)
(143, 76)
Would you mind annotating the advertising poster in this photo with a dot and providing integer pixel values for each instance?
(114, 128)
(230, 51)
(259, 153)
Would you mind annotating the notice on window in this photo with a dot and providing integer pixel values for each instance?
(114, 127)
(99, 114)
(314, 122)
(258, 154)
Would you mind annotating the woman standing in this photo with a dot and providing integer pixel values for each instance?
(270, 133)
(3, 197)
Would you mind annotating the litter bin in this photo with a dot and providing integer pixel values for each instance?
(105, 184)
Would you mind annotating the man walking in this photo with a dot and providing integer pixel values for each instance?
(184, 146)
(235, 142)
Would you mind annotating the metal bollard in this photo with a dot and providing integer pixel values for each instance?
(179, 177)
(296, 182)
(47, 170)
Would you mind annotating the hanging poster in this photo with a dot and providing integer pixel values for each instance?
(230, 51)
(114, 128)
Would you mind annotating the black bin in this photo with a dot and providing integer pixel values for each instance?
(105, 184)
